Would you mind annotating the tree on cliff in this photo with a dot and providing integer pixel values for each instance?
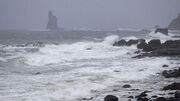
(53, 22)
(175, 24)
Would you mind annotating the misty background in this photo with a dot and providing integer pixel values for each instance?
(88, 14)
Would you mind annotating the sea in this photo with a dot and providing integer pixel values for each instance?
(77, 65)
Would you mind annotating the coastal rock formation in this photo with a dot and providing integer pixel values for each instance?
(175, 24)
(162, 30)
(123, 42)
(53, 22)
(171, 73)
(168, 48)
(174, 86)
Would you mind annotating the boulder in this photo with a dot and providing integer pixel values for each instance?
(143, 99)
(143, 94)
(177, 94)
(142, 45)
(161, 99)
(174, 86)
(120, 43)
(123, 42)
(155, 43)
(132, 42)
(171, 73)
(126, 86)
(165, 65)
(111, 98)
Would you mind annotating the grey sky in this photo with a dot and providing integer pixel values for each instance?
(91, 14)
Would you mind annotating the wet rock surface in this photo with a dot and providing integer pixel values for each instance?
(111, 98)
(156, 48)
(126, 86)
(171, 73)
(123, 42)
(173, 86)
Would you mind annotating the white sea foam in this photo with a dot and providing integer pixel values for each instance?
(3, 59)
(51, 54)
(75, 71)
(129, 38)
(161, 36)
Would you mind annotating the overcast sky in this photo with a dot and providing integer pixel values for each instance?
(90, 14)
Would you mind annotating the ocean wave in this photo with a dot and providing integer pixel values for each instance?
(51, 54)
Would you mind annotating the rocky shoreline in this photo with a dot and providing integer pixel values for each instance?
(154, 48)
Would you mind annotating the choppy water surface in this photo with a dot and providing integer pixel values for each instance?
(84, 69)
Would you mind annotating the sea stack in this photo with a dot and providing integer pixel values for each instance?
(175, 24)
(53, 22)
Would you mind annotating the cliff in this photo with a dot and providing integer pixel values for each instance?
(175, 24)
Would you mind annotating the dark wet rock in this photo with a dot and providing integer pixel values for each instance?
(137, 52)
(53, 22)
(142, 45)
(166, 52)
(174, 86)
(37, 73)
(154, 43)
(123, 42)
(132, 42)
(162, 30)
(143, 99)
(111, 98)
(177, 94)
(150, 46)
(141, 40)
(20, 45)
(171, 73)
(155, 48)
(115, 90)
(126, 86)
(176, 97)
(175, 24)
(89, 48)
(171, 93)
(33, 44)
(130, 97)
(143, 94)
(154, 96)
(134, 89)
(87, 98)
(165, 65)
(120, 43)
(116, 71)
(161, 99)
(171, 44)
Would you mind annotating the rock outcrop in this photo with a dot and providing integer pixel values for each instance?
(175, 24)
(156, 48)
(171, 73)
(53, 22)
(123, 42)
(162, 30)
(174, 86)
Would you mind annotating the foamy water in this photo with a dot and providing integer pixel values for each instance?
(70, 72)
